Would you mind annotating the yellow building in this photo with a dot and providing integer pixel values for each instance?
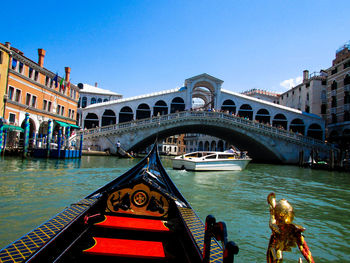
(4, 65)
(33, 89)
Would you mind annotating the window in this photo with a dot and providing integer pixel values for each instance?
(73, 114)
(99, 100)
(307, 85)
(20, 68)
(51, 83)
(28, 99)
(335, 70)
(93, 101)
(1, 56)
(346, 116)
(49, 106)
(18, 95)
(14, 64)
(44, 104)
(334, 85)
(69, 112)
(47, 81)
(10, 93)
(33, 101)
(58, 109)
(334, 118)
(36, 75)
(12, 118)
(307, 109)
(323, 108)
(62, 110)
(346, 97)
(84, 102)
(307, 96)
(334, 101)
(30, 73)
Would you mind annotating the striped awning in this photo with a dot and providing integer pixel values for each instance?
(64, 124)
(9, 127)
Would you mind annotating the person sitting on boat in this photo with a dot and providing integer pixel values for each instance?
(231, 150)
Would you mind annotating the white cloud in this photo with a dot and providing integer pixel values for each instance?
(290, 83)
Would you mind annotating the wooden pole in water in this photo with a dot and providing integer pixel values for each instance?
(26, 135)
(48, 138)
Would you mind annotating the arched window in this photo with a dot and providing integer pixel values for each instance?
(297, 125)
(280, 121)
(200, 146)
(177, 104)
(315, 131)
(246, 111)
(263, 116)
(108, 118)
(220, 146)
(213, 146)
(105, 100)
(160, 108)
(229, 106)
(91, 121)
(126, 114)
(99, 100)
(93, 100)
(334, 85)
(143, 111)
(206, 146)
(83, 102)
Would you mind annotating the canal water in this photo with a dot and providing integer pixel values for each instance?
(32, 191)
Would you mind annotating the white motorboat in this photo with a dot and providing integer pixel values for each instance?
(211, 161)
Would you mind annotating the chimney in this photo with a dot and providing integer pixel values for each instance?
(67, 69)
(8, 44)
(305, 75)
(41, 53)
(96, 84)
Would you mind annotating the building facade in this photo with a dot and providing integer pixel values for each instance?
(4, 65)
(33, 89)
(310, 96)
(338, 91)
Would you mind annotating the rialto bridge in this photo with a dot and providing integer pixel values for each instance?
(268, 131)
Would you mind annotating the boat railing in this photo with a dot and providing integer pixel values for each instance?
(256, 126)
(218, 231)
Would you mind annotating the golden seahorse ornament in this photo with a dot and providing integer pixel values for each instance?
(285, 234)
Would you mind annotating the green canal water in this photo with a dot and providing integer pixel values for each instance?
(32, 191)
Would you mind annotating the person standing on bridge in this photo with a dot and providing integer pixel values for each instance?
(118, 145)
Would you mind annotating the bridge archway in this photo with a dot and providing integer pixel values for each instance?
(258, 148)
(263, 116)
(229, 105)
(315, 131)
(246, 111)
(108, 118)
(143, 112)
(297, 126)
(213, 146)
(126, 114)
(91, 121)
(177, 105)
(160, 108)
(220, 146)
(280, 121)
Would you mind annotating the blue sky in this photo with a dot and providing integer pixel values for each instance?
(138, 47)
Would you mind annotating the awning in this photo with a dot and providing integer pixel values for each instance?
(64, 124)
(12, 128)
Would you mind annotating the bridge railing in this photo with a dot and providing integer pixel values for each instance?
(207, 114)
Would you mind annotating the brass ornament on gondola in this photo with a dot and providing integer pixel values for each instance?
(285, 234)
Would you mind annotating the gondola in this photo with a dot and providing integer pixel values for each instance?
(140, 216)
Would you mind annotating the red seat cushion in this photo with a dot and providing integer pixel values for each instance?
(131, 223)
(127, 248)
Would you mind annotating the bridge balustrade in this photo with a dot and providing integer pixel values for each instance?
(205, 114)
